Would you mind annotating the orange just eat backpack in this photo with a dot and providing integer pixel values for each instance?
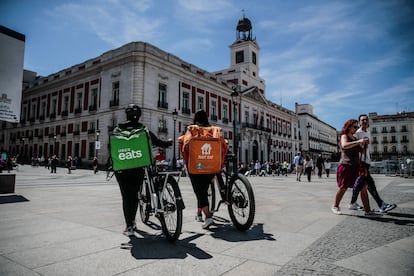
(203, 149)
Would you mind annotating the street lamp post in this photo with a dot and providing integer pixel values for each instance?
(97, 143)
(308, 126)
(175, 115)
(235, 96)
(55, 150)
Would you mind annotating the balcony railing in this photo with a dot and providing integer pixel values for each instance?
(162, 104)
(91, 131)
(163, 130)
(52, 116)
(41, 117)
(114, 103)
(185, 110)
(76, 132)
(64, 113)
(78, 110)
(92, 107)
(213, 117)
(225, 120)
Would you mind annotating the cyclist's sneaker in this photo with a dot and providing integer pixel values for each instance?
(372, 214)
(129, 231)
(336, 210)
(355, 206)
(199, 218)
(207, 223)
(385, 207)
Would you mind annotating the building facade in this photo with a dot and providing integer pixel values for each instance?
(316, 136)
(392, 136)
(72, 112)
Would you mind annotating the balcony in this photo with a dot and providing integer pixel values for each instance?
(40, 136)
(78, 110)
(41, 117)
(404, 130)
(162, 130)
(51, 135)
(213, 117)
(114, 103)
(52, 116)
(91, 131)
(375, 142)
(185, 110)
(384, 142)
(226, 120)
(163, 104)
(62, 134)
(32, 119)
(92, 107)
(404, 141)
(64, 113)
(76, 133)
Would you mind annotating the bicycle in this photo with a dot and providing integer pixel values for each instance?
(160, 195)
(236, 192)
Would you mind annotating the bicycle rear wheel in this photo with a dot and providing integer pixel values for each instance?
(242, 207)
(144, 202)
(172, 216)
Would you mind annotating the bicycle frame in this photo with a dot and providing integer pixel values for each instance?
(152, 174)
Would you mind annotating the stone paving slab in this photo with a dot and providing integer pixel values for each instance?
(61, 224)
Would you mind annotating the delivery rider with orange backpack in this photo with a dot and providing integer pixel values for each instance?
(204, 149)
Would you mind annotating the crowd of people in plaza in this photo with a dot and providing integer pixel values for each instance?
(299, 166)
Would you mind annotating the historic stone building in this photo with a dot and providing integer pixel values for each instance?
(392, 136)
(72, 112)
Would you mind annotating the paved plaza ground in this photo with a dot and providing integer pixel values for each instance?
(71, 224)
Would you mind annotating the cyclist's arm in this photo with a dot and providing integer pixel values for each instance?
(158, 142)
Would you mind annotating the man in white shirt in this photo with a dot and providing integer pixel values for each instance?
(361, 133)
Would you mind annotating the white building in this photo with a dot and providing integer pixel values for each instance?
(72, 112)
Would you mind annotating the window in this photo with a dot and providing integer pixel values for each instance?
(162, 95)
(94, 96)
(213, 110)
(54, 105)
(162, 125)
(225, 113)
(239, 56)
(254, 57)
(384, 129)
(200, 102)
(115, 94)
(186, 103)
(78, 108)
(246, 116)
(66, 103)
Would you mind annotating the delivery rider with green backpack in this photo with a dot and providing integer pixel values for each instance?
(131, 144)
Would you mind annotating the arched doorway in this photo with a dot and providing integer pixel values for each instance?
(255, 150)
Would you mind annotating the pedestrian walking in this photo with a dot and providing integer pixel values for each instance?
(349, 166)
(363, 133)
(308, 164)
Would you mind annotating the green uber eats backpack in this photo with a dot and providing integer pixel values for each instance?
(130, 149)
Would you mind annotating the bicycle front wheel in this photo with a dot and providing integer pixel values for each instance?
(172, 216)
(144, 202)
(242, 204)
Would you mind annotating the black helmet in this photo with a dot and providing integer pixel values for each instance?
(133, 112)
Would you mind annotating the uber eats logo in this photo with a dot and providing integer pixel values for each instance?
(128, 154)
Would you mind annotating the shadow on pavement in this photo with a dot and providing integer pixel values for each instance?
(157, 247)
(12, 199)
(229, 233)
(390, 218)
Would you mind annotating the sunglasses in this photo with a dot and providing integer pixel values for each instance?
(364, 120)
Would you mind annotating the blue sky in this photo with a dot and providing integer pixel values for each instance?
(343, 57)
